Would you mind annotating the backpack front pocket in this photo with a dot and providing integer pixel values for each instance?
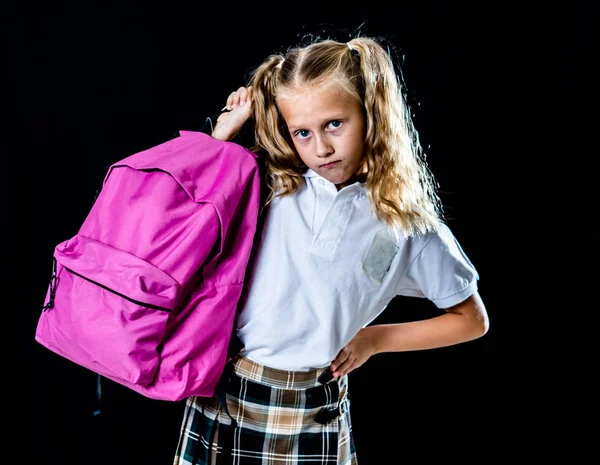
(107, 310)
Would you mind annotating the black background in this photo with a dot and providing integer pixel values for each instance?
(92, 83)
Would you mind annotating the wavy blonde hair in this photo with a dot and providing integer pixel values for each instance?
(400, 187)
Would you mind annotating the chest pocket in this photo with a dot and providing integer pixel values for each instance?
(379, 257)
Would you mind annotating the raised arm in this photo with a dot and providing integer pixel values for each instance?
(239, 106)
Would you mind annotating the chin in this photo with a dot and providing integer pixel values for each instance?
(336, 180)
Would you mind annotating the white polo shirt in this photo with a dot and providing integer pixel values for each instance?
(325, 267)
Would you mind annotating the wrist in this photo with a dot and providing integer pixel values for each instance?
(375, 336)
(384, 337)
(222, 133)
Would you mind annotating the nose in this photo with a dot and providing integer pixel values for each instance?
(323, 147)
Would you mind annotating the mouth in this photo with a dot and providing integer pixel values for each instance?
(330, 165)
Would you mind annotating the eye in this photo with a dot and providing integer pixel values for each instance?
(302, 133)
(335, 124)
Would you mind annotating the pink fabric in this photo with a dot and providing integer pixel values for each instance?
(146, 292)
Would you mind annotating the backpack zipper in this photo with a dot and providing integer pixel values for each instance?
(53, 282)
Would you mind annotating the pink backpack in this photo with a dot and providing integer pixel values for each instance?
(146, 292)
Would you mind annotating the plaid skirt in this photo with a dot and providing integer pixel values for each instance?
(274, 415)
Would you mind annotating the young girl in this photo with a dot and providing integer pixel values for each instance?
(351, 220)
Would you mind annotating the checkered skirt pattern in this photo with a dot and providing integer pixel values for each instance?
(274, 411)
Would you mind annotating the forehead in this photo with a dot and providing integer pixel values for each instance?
(307, 105)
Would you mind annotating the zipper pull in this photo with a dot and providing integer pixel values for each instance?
(53, 282)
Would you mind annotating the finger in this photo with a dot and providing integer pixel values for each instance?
(339, 360)
(239, 96)
(249, 94)
(344, 368)
(229, 103)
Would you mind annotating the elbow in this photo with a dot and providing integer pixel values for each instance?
(476, 326)
(481, 326)
(475, 317)
(480, 321)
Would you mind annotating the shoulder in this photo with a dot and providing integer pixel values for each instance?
(439, 242)
(442, 269)
(441, 248)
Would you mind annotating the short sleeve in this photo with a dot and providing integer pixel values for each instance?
(441, 272)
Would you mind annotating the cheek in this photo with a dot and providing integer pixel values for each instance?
(356, 148)
(292, 145)
(303, 154)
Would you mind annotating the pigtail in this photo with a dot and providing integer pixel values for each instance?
(284, 167)
(400, 186)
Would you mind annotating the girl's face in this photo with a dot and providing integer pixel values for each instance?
(327, 128)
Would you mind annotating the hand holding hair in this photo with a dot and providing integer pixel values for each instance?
(239, 109)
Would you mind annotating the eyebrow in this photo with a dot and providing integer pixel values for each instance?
(295, 127)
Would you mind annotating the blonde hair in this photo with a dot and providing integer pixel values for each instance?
(400, 187)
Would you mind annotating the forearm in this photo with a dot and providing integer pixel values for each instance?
(221, 132)
(463, 323)
(441, 331)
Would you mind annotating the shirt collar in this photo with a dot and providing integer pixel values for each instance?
(313, 174)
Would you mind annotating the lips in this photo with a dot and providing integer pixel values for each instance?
(330, 165)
